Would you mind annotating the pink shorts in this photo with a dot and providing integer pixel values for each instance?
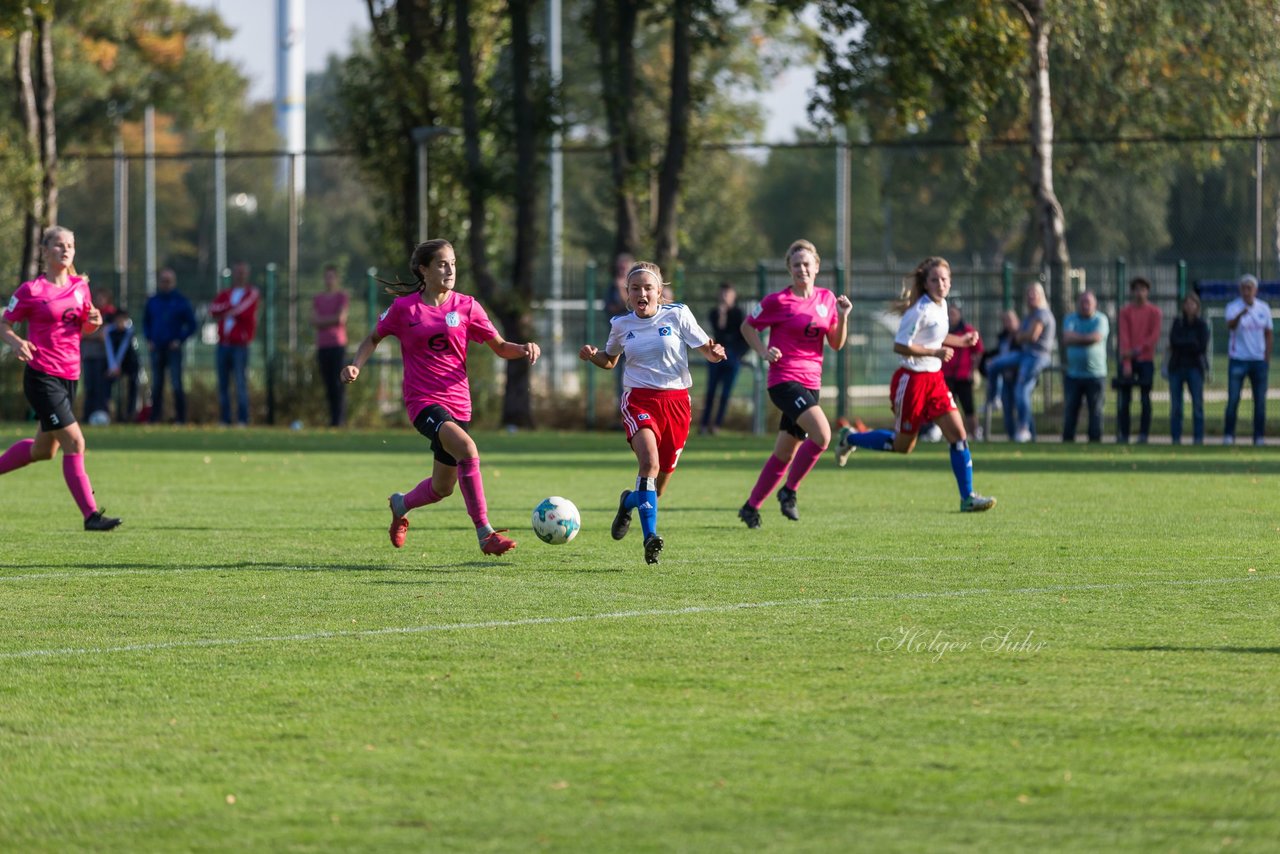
(666, 413)
(918, 398)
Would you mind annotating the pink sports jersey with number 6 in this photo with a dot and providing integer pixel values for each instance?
(798, 327)
(433, 345)
(54, 314)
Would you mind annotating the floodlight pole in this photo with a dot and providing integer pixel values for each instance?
(422, 135)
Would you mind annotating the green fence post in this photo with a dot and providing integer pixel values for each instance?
(842, 369)
(1182, 283)
(269, 338)
(758, 376)
(1007, 285)
(371, 296)
(590, 284)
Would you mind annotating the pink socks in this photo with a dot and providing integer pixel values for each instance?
(421, 495)
(770, 477)
(18, 455)
(472, 487)
(807, 456)
(78, 482)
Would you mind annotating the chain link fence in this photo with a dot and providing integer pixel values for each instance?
(1178, 213)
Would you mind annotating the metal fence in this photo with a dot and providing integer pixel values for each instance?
(1133, 208)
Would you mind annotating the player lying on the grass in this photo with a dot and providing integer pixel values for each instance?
(918, 391)
(434, 324)
(800, 318)
(58, 310)
(656, 339)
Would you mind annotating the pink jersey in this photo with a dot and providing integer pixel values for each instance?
(433, 345)
(334, 335)
(54, 315)
(798, 328)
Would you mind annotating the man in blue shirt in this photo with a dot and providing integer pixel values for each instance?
(1085, 335)
(167, 322)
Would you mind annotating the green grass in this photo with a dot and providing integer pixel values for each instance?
(248, 665)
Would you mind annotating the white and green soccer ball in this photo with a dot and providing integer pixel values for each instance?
(556, 520)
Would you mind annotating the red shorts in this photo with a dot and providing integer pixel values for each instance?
(665, 411)
(918, 398)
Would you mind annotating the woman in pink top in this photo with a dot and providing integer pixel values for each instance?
(434, 324)
(58, 310)
(800, 319)
(329, 317)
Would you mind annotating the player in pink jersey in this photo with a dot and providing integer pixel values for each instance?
(918, 390)
(656, 338)
(800, 319)
(58, 310)
(434, 324)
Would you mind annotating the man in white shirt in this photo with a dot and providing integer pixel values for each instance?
(1249, 325)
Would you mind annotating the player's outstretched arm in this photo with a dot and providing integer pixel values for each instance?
(363, 352)
(713, 351)
(511, 351)
(597, 357)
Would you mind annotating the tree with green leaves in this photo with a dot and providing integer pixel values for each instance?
(1083, 69)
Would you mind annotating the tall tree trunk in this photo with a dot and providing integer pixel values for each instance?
(46, 93)
(614, 26)
(29, 115)
(666, 238)
(407, 36)
(517, 403)
(1053, 229)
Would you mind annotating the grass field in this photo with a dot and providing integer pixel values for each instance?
(248, 665)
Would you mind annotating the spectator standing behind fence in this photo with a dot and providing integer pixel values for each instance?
(1140, 323)
(1006, 343)
(1188, 364)
(122, 364)
(1249, 350)
(1084, 332)
(329, 317)
(93, 356)
(725, 324)
(167, 322)
(1035, 340)
(236, 311)
(958, 370)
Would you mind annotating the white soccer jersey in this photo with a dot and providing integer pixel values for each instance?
(925, 323)
(657, 348)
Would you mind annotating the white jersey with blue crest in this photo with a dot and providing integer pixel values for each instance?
(657, 348)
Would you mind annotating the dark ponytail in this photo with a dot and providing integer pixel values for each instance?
(422, 253)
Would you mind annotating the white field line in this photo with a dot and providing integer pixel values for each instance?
(625, 615)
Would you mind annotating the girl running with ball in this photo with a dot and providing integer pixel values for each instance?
(434, 324)
(918, 391)
(656, 339)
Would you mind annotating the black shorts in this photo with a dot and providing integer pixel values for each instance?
(793, 399)
(50, 397)
(429, 422)
(962, 391)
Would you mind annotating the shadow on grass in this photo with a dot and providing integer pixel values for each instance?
(535, 449)
(1250, 650)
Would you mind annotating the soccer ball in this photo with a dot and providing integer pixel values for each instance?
(99, 418)
(556, 520)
